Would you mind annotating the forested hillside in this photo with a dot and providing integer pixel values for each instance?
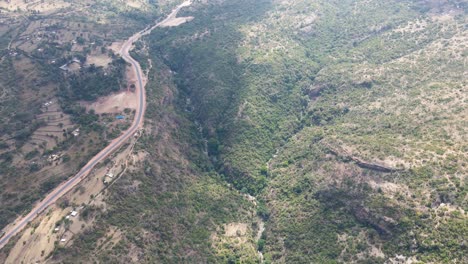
(302, 131)
(347, 119)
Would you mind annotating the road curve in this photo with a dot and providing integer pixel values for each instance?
(62, 189)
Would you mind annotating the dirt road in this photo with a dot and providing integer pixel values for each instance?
(20, 223)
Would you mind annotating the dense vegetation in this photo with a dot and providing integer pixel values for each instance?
(312, 107)
(345, 119)
(169, 204)
(93, 82)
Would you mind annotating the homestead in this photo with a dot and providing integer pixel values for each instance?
(72, 66)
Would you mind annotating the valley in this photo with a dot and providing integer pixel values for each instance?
(304, 131)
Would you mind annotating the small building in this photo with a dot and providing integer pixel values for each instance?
(74, 213)
(54, 157)
(120, 117)
(64, 67)
(76, 132)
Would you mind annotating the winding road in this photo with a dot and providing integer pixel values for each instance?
(20, 223)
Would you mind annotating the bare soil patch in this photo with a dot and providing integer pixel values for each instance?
(114, 103)
(37, 242)
(116, 46)
(235, 229)
(176, 21)
(101, 60)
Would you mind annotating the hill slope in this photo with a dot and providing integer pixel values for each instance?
(346, 120)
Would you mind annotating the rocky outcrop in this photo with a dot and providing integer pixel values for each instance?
(340, 152)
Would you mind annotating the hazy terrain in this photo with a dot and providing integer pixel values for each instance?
(302, 131)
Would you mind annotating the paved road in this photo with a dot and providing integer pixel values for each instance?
(62, 189)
